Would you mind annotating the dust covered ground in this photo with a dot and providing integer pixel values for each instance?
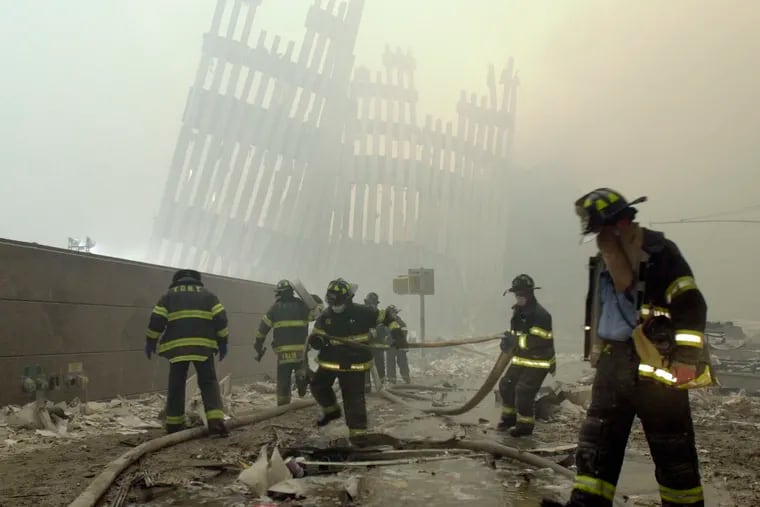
(42, 470)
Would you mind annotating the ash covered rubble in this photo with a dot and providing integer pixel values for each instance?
(22, 428)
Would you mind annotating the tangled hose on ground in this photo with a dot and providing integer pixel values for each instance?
(100, 485)
(493, 377)
(490, 382)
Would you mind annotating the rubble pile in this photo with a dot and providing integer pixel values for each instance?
(21, 428)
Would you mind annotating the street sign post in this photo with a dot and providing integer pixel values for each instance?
(417, 281)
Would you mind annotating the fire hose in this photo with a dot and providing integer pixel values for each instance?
(102, 483)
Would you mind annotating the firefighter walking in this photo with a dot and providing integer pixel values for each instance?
(377, 336)
(397, 357)
(289, 317)
(651, 324)
(347, 320)
(188, 325)
(530, 337)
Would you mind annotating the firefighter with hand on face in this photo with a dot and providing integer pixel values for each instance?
(530, 337)
(349, 364)
(289, 316)
(651, 325)
(189, 325)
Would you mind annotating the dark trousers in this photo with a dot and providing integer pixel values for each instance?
(288, 364)
(352, 389)
(518, 388)
(397, 357)
(618, 395)
(208, 384)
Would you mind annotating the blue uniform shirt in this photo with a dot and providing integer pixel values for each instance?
(618, 315)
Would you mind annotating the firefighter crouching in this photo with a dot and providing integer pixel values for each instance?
(189, 325)
(345, 319)
(289, 316)
(530, 336)
(651, 324)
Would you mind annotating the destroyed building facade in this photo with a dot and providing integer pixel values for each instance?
(294, 162)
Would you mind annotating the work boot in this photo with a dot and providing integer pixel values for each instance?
(174, 428)
(329, 416)
(506, 422)
(521, 430)
(216, 428)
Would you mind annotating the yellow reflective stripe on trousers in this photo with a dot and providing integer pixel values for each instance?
(507, 410)
(595, 486)
(189, 314)
(188, 357)
(214, 414)
(682, 496)
(525, 419)
(331, 409)
(188, 342)
(540, 332)
(679, 286)
(161, 311)
(289, 348)
(354, 367)
(532, 363)
(217, 309)
(352, 432)
(175, 419)
(152, 334)
(290, 323)
(690, 338)
(658, 374)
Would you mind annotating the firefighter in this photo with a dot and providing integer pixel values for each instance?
(530, 337)
(378, 336)
(189, 325)
(345, 319)
(289, 316)
(397, 357)
(651, 325)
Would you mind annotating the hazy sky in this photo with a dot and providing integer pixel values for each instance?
(655, 97)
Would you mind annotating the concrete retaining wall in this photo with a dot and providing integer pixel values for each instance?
(59, 307)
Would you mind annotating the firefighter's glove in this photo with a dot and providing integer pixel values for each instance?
(316, 342)
(259, 347)
(660, 332)
(507, 342)
(398, 339)
(150, 347)
(222, 351)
